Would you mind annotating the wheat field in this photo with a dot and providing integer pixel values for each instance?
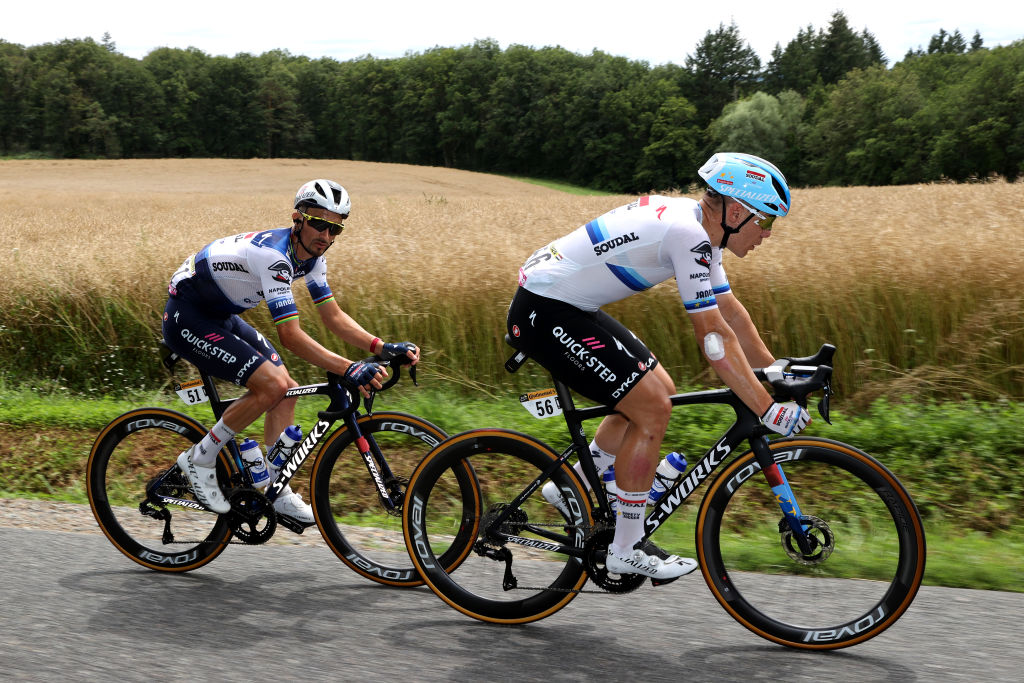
(919, 286)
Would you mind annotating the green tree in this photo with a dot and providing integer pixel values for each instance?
(764, 125)
(842, 50)
(181, 76)
(724, 67)
(669, 160)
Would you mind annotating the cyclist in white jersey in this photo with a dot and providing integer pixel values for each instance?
(555, 318)
(233, 274)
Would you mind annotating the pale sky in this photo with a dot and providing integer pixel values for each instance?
(654, 31)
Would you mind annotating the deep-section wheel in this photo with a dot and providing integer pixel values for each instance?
(526, 560)
(361, 529)
(141, 500)
(862, 565)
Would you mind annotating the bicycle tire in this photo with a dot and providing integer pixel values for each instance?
(350, 514)
(128, 453)
(868, 529)
(505, 463)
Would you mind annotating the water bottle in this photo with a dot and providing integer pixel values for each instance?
(252, 456)
(610, 489)
(281, 451)
(668, 471)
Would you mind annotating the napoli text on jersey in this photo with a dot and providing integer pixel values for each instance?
(628, 250)
(234, 274)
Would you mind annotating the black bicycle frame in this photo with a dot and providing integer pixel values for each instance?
(342, 406)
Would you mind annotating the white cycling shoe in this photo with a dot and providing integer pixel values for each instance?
(291, 505)
(204, 483)
(636, 561)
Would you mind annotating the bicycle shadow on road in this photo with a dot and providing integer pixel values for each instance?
(324, 617)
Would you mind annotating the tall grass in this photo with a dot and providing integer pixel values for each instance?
(918, 286)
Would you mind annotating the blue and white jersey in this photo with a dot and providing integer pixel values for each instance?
(628, 250)
(234, 274)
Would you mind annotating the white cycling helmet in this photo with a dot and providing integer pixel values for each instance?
(326, 194)
(749, 179)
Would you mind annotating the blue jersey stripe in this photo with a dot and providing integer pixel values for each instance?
(597, 231)
(630, 278)
(721, 289)
(698, 304)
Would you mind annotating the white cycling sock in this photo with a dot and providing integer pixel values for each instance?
(205, 455)
(602, 461)
(629, 522)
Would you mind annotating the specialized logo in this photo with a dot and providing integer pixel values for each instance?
(282, 272)
(622, 348)
(703, 251)
(301, 391)
(300, 454)
(229, 265)
(701, 471)
(615, 242)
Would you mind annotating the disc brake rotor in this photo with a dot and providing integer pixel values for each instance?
(819, 536)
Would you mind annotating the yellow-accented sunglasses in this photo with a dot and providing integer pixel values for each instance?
(321, 224)
(761, 220)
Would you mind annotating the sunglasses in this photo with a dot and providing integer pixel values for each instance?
(321, 224)
(761, 220)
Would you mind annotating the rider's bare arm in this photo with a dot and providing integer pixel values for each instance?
(345, 328)
(295, 339)
(730, 362)
(736, 316)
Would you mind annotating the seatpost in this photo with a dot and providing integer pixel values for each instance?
(578, 436)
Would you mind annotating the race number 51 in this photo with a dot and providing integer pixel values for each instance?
(542, 404)
(192, 392)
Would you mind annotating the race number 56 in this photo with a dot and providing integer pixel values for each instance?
(541, 404)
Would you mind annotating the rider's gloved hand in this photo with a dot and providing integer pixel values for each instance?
(407, 349)
(786, 418)
(360, 374)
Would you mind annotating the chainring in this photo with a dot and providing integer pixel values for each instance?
(595, 549)
(252, 517)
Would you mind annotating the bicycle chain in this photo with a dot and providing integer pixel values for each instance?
(597, 528)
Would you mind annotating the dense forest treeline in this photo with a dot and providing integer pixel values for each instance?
(827, 108)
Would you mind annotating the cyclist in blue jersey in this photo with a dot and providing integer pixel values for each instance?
(555, 317)
(233, 274)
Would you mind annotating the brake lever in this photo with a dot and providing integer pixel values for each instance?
(823, 404)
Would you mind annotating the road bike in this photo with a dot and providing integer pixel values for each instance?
(145, 505)
(781, 530)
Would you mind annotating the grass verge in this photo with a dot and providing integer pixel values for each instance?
(960, 461)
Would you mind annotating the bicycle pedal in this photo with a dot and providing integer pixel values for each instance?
(662, 582)
(292, 524)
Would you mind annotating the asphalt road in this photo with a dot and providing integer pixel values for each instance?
(74, 609)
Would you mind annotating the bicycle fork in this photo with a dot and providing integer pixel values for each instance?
(784, 496)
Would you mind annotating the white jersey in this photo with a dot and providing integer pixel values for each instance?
(628, 250)
(233, 274)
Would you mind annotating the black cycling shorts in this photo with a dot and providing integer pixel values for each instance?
(226, 347)
(592, 352)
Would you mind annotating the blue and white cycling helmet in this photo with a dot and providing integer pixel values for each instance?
(753, 182)
(326, 194)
